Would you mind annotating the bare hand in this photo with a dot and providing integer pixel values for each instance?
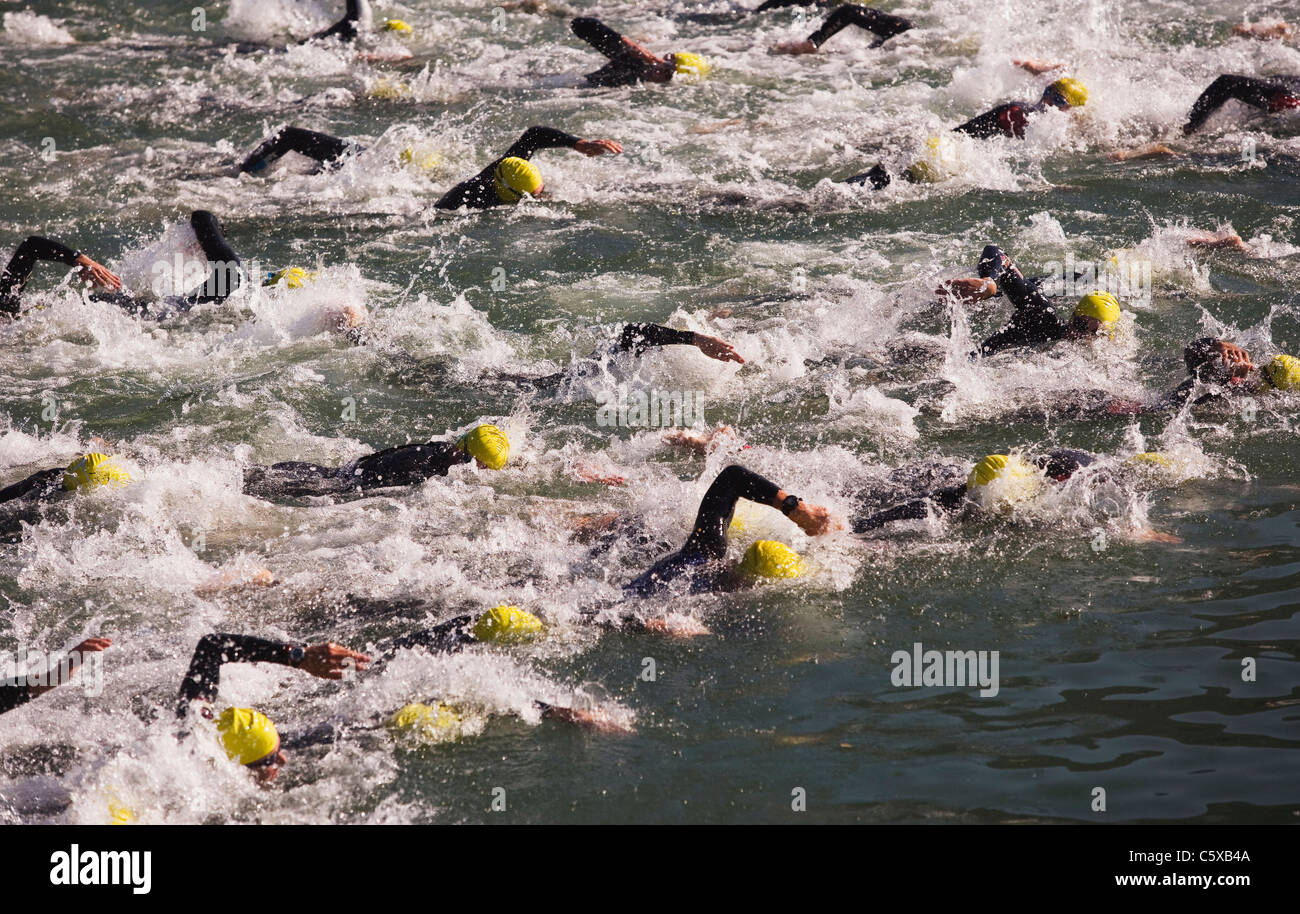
(97, 274)
(92, 645)
(1279, 30)
(1229, 240)
(1038, 67)
(331, 661)
(795, 47)
(815, 520)
(968, 290)
(1234, 357)
(1149, 151)
(597, 720)
(718, 349)
(598, 147)
(677, 625)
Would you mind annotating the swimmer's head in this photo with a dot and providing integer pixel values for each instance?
(513, 177)
(251, 739)
(487, 444)
(436, 723)
(999, 482)
(770, 559)
(508, 625)
(292, 277)
(690, 64)
(1066, 93)
(1282, 372)
(1150, 459)
(91, 471)
(397, 25)
(1097, 312)
(421, 159)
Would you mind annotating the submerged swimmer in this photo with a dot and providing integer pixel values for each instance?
(1007, 120)
(700, 562)
(1034, 320)
(629, 63)
(407, 465)
(883, 25)
(512, 175)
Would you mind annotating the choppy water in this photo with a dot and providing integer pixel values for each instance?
(1120, 662)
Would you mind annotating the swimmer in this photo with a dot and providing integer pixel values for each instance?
(407, 465)
(1034, 320)
(1273, 95)
(629, 63)
(15, 694)
(510, 177)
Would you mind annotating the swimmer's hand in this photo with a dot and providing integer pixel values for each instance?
(1279, 30)
(794, 47)
(597, 720)
(1124, 408)
(1235, 358)
(813, 519)
(968, 290)
(1038, 67)
(598, 147)
(718, 349)
(700, 442)
(586, 472)
(330, 661)
(1149, 151)
(1147, 535)
(97, 274)
(89, 646)
(678, 625)
(1218, 241)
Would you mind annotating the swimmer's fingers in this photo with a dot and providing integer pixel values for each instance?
(716, 348)
(968, 290)
(92, 272)
(331, 661)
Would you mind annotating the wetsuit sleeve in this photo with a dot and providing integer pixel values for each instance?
(709, 535)
(637, 338)
(781, 4)
(1005, 120)
(225, 277)
(346, 28)
(24, 260)
(598, 35)
(538, 138)
(320, 146)
(883, 25)
(1265, 94)
(407, 465)
(37, 487)
(1033, 321)
(444, 638)
(946, 499)
(204, 675)
(11, 696)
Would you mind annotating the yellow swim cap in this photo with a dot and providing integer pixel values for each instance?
(397, 25)
(1001, 481)
(486, 444)
(1283, 372)
(425, 161)
(248, 736)
(685, 62)
(770, 559)
(508, 625)
(428, 723)
(513, 177)
(294, 277)
(1071, 90)
(1150, 459)
(93, 470)
(118, 812)
(1101, 305)
(384, 88)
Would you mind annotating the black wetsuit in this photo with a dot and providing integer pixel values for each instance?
(1034, 320)
(408, 465)
(1274, 94)
(480, 192)
(700, 559)
(12, 696)
(222, 281)
(38, 487)
(1059, 465)
(1206, 370)
(884, 25)
(627, 65)
(1007, 120)
(325, 149)
(204, 675)
(346, 28)
(635, 338)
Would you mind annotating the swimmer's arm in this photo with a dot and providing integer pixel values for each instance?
(1218, 241)
(1279, 31)
(1149, 151)
(969, 290)
(444, 638)
(637, 338)
(1038, 67)
(538, 138)
(42, 485)
(325, 660)
(947, 499)
(585, 717)
(89, 646)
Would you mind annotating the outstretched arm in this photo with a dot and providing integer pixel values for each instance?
(946, 499)
(1258, 93)
(637, 338)
(319, 146)
(11, 696)
(709, 535)
(883, 25)
(326, 661)
(35, 248)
